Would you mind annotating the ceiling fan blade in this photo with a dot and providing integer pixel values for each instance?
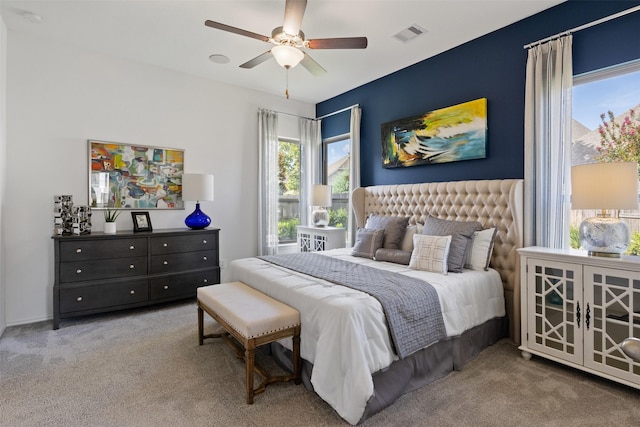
(257, 60)
(338, 43)
(235, 30)
(312, 66)
(293, 13)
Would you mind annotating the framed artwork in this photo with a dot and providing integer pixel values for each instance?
(124, 176)
(449, 134)
(141, 221)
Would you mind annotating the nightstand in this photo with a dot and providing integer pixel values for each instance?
(578, 309)
(313, 239)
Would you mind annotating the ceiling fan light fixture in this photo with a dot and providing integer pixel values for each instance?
(287, 56)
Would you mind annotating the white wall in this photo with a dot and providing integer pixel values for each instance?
(3, 145)
(59, 96)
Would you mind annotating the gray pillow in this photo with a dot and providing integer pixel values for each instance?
(460, 232)
(367, 242)
(394, 228)
(393, 255)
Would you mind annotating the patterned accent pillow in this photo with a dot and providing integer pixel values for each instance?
(367, 242)
(393, 226)
(479, 255)
(460, 232)
(430, 253)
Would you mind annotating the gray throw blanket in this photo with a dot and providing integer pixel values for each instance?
(411, 305)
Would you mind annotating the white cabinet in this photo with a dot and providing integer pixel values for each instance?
(313, 239)
(577, 310)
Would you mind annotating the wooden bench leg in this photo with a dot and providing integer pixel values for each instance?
(249, 354)
(297, 363)
(200, 325)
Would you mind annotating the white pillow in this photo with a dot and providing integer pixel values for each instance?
(430, 253)
(481, 248)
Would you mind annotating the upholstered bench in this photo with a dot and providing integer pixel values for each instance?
(253, 319)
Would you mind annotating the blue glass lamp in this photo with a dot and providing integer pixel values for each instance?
(612, 186)
(197, 187)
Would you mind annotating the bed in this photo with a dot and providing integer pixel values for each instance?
(349, 357)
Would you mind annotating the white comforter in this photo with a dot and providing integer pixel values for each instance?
(344, 332)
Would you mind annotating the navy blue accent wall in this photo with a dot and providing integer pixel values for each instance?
(492, 66)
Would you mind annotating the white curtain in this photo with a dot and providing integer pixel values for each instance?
(268, 182)
(354, 168)
(311, 148)
(547, 143)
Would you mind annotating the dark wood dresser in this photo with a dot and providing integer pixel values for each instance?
(97, 272)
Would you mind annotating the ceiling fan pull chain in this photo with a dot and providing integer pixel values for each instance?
(286, 92)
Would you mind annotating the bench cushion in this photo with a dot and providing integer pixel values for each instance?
(250, 312)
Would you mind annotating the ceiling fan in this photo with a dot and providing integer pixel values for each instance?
(289, 40)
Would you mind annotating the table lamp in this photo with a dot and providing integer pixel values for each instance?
(197, 187)
(321, 198)
(604, 186)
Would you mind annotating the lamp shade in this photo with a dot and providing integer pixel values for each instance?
(321, 195)
(197, 187)
(287, 56)
(605, 186)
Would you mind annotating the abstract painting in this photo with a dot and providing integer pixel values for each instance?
(134, 176)
(449, 134)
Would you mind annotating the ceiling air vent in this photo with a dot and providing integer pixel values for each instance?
(410, 33)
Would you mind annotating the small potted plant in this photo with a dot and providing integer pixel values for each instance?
(110, 216)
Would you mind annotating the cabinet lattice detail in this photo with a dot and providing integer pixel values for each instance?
(615, 296)
(314, 239)
(554, 307)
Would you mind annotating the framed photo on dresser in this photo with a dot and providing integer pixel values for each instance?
(141, 221)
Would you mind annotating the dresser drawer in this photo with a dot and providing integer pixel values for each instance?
(176, 244)
(100, 249)
(105, 295)
(182, 284)
(102, 269)
(171, 263)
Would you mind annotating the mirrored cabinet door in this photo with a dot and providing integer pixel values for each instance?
(613, 300)
(555, 308)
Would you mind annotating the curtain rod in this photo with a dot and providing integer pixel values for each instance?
(293, 115)
(582, 27)
(338, 112)
(318, 118)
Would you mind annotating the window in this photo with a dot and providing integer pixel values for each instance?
(336, 170)
(289, 185)
(606, 127)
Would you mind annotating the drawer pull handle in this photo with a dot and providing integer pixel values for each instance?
(132, 247)
(78, 250)
(78, 271)
(166, 286)
(204, 242)
(205, 281)
(204, 258)
(165, 262)
(165, 245)
(79, 299)
(132, 292)
(132, 266)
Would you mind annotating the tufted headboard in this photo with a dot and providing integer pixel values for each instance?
(493, 203)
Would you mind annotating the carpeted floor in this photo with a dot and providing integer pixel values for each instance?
(145, 368)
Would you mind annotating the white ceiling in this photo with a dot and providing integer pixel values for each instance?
(171, 34)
